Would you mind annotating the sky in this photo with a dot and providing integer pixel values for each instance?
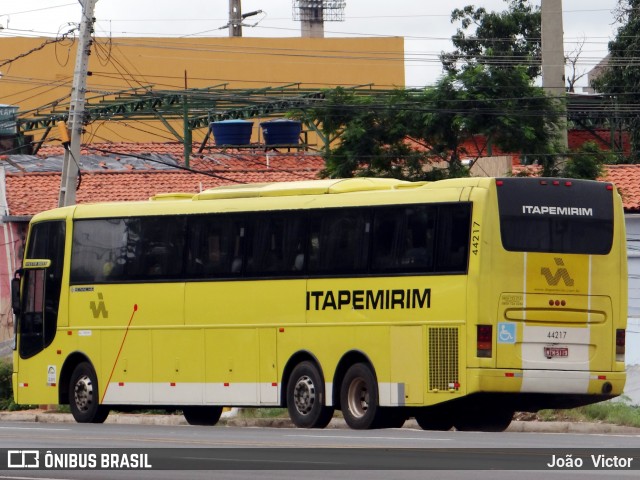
(424, 24)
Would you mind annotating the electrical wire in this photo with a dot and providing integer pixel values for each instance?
(38, 48)
(178, 167)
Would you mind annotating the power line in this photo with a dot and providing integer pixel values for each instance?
(39, 47)
(178, 167)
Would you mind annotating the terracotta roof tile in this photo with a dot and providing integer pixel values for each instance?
(627, 179)
(30, 193)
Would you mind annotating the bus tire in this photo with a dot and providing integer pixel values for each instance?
(359, 398)
(497, 420)
(392, 417)
(204, 415)
(84, 400)
(306, 397)
(431, 419)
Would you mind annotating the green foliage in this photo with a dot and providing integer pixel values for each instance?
(587, 162)
(420, 134)
(6, 390)
(621, 77)
(500, 39)
(6, 387)
(618, 412)
(263, 413)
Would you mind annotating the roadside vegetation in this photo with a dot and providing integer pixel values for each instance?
(616, 412)
(6, 388)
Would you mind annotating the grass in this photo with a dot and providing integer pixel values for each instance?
(263, 413)
(617, 412)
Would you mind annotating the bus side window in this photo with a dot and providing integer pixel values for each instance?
(155, 247)
(277, 246)
(386, 224)
(453, 238)
(419, 239)
(214, 248)
(339, 241)
(403, 239)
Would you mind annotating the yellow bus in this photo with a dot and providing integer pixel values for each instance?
(457, 302)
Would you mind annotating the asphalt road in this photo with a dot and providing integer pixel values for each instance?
(287, 453)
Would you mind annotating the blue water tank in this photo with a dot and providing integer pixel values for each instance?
(281, 132)
(232, 132)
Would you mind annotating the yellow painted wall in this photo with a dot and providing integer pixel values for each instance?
(122, 63)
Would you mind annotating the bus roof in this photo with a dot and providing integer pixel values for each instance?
(180, 202)
(305, 187)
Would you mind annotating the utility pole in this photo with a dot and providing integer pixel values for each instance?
(71, 164)
(553, 60)
(235, 18)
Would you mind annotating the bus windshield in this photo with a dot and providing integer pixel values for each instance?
(555, 215)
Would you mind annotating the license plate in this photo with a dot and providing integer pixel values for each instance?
(552, 352)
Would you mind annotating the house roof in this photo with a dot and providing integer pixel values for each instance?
(120, 176)
(33, 182)
(627, 179)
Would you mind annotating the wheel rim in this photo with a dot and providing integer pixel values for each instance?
(358, 397)
(304, 395)
(83, 393)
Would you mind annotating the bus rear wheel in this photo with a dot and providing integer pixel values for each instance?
(204, 415)
(359, 398)
(432, 419)
(496, 420)
(84, 398)
(306, 397)
(392, 417)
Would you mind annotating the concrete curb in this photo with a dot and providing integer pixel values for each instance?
(176, 420)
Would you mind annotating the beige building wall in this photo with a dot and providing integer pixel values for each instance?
(117, 64)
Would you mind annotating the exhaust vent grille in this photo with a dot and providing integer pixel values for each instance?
(443, 358)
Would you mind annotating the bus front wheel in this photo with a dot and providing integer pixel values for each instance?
(306, 397)
(84, 398)
(202, 415)
(359, 398)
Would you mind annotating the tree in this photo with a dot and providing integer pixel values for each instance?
(488, 90)
(587, 162)
(500, 40)
(363, 134)
(404, 133)
(621, 77)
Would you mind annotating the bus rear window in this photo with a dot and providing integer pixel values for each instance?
(553, 215)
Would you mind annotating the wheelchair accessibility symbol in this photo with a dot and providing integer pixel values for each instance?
(506, 332)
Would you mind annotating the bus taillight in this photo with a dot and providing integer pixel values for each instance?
(485, 341)
(620, 342)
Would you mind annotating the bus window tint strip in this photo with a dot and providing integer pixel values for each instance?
(542, 215)
(418, 239)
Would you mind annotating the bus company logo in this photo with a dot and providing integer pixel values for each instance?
(99, 309)
(561, 274)
(23, 459)
(554, 210)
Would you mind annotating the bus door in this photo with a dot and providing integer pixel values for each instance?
(555, 309)
(37, 307)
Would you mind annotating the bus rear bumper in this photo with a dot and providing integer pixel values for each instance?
(610, 384)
